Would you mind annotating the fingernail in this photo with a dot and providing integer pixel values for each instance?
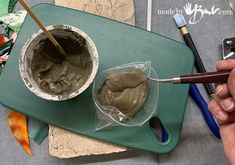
(227, 105)
(218, 89)
(221, 116)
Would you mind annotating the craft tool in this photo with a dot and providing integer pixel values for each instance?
(193, 90)
(181, 23)
(38, 22)
(207, 77)
(199, 100)
(228, 47)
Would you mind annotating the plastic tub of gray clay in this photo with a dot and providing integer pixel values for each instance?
(53, 80)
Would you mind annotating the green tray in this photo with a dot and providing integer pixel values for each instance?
(117, 43)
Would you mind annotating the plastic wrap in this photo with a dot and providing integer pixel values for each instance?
(108, 116)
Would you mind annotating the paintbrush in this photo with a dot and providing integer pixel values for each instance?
(181, 23)
(62, 55)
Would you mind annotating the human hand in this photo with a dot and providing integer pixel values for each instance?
(222, 106)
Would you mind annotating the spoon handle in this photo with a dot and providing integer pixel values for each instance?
(207, 77)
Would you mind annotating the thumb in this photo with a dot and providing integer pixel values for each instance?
(231, 83)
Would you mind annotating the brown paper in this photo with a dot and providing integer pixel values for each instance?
(65, 144)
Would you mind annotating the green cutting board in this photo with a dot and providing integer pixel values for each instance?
(117, 43)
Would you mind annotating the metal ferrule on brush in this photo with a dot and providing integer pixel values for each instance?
(176, 80)
(184, 30)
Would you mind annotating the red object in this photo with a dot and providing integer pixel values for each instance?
(2, 40)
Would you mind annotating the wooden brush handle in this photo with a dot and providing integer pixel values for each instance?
(207, 77)
(38, 22)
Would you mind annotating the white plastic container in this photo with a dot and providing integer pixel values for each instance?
(26, 57)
